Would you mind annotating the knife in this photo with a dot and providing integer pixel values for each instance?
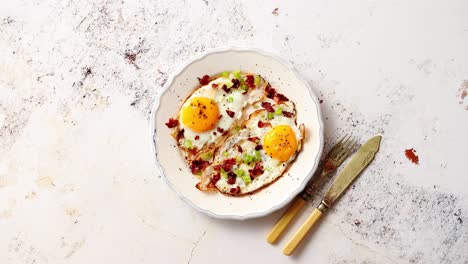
(358, 163)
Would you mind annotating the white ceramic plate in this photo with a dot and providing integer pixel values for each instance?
(281, 76)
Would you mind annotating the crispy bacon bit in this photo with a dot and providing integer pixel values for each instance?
(198, 165)
(204, 80)
(224, 88)
(226, 165)
(215, 178)
(231, 177)
(257, 170)
(249, 81)
(214, 85)
(270, 92)
(287, 114)
(238, 148)
(236, 83)
(235, 190)
(254, 139)
(172, 123)
(180, 134)
(230, 113)
(214, 133)
(268, 107)
(263, 124)
(220, 116)
(197, 137)
(258, 147)
(280, 98)
(220, 130)
(225, 133)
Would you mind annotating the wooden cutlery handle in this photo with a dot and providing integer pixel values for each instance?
(300, 234)
(284, 221)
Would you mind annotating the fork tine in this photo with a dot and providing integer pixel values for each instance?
(333, 150)
(348, 142)
(348, 151)
(336, 149)
(346, 148)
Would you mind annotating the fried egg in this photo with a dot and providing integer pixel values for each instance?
(213, 110)
(259, 154)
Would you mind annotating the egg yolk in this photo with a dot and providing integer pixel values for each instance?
(201, 114)
(280, 142)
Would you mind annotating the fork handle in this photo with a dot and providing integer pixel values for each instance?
(284, 221)
(303, 230)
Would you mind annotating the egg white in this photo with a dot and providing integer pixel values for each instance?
(239, 101)
(272, 168)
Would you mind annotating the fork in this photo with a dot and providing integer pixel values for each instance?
(335, 157)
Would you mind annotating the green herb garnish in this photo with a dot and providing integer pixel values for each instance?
(252, 158)
(248, 158)
(230, 99)
(243, 175)
(188, 144)
(257, 155)
(229, 84)
(279, 111)
(224, 174)
(244, 87)
(257, 80)
(237, 75)
(207, 156)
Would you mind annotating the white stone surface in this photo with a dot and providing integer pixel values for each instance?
(77, 79)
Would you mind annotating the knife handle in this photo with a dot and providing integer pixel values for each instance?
(300, 234)
(284, 221)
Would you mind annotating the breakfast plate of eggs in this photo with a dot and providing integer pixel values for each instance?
(236, 133)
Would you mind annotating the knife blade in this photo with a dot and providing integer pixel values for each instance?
(358, 163)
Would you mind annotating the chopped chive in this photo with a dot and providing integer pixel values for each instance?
(225, 154)
(244, 176)
(188, 144)
(207, 156)
(279, 111)
(224, 174)
(237, 74)
(257, 155)
(248, 158)
(230, 99)
(229, 84)
(270, 115)
(225, 74)
(257, 80)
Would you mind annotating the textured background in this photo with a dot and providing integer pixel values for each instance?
(77, 80)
